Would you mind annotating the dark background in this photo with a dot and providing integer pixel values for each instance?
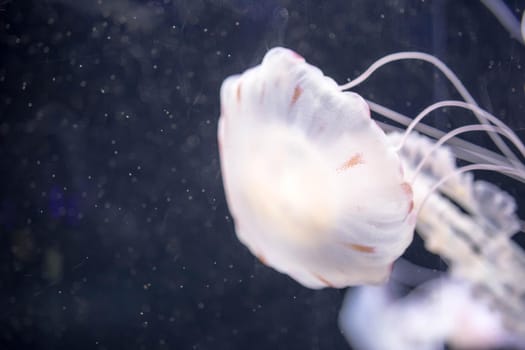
(114, 231)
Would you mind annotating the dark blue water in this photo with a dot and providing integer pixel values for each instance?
(114, 231)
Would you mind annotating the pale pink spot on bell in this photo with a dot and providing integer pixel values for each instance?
(360, 247)
(324, 281)
(262, 259)
(296, 94)
(297, 56)
(408, 190)
(356, 159)
(238, 94)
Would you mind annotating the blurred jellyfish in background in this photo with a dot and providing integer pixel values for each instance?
(440, 311)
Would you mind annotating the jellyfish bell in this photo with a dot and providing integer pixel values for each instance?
(314, 186)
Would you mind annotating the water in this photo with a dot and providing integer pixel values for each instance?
(114, 229)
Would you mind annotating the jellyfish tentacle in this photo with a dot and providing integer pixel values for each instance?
(481, 254)
(448, 136)
(505, 16)
(505, 170)
(469, 223)
(463, 149)
(442, 165)
(523, 26)
(449, 74)
(506, 131)
(496, 208)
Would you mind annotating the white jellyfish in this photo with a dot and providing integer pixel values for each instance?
(319, 191)
(313, 186)
(438, 312)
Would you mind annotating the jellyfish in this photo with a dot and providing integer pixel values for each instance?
(313, 186)
(322, 192)
(456, 315)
